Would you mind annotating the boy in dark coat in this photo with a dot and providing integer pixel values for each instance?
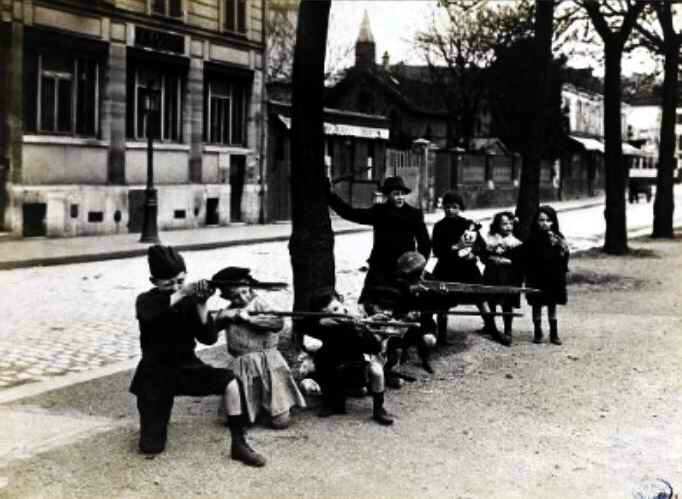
(346, 360)
(398, 228)
(172, 316)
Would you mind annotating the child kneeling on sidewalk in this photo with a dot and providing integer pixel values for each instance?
(171, 316)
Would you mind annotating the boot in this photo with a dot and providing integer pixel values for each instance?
(537, 335)
(379, 413)
(506, 338)
(554, 332)
(442, 338)
(425, 355)
(241, 450)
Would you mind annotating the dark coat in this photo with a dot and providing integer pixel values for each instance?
(168, 338)
(396, 230)
(451, 267)
(545, 267)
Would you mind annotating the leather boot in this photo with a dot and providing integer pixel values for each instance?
(506, 338)
(241, 450)
(537, 334)
(379, 414)
(442, 338)
(425, 355)
(554, 332)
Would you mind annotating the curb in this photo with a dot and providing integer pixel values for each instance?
(131, 253)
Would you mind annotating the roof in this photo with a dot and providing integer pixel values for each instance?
(332, 113)
(407, 84)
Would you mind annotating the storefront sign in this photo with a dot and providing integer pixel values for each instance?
(159, 40)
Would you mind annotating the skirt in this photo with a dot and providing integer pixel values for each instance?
(267, 382)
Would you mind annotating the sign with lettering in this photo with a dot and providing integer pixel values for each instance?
(159, 40)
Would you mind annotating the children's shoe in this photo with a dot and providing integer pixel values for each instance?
(554, 332)
(537, 333)
(242, 451)
(382, 418)
(506, 339)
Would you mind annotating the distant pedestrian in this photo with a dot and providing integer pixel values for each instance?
(457, 244)
(398, 228)
(172, 316)
(545, 257)
(501, 259)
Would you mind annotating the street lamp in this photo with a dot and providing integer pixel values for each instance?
(151, 105)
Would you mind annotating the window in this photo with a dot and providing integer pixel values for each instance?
(225, 113)
(235, 15)
(679, 118)
(679, 142)
(170, 8)
(66, 95)
(167, 124)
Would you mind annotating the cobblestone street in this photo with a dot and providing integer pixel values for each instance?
(71, 318)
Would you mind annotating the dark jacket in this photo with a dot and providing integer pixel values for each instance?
(168, 338)
(396, 230)
(545, 267)
(451, 267)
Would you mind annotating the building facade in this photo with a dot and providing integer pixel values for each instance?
(73, 136)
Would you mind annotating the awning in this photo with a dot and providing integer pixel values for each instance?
(365, 132)
(631, 150)
(589, 144)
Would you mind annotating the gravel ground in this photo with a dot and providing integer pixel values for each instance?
(597, 417)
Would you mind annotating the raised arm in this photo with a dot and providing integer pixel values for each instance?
(344, 210)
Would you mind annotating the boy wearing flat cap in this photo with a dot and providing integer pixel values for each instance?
(172, 316)
(398, 228)
(269, 387)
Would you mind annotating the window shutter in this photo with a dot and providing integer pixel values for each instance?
(30, 90)
(241, 16)
(175, 8)
(230, 23)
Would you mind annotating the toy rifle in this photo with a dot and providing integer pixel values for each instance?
(323, 315)
(472, 313)
(252, 284)
(447, 287)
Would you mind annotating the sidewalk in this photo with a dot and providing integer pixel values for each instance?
(56, 251)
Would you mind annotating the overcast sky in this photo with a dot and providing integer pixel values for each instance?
(394, 24)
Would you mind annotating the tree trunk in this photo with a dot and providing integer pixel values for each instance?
(529, 188)
(311, 245)
(664, 204)
(615, 240)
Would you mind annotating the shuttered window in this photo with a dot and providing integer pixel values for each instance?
(235, 15)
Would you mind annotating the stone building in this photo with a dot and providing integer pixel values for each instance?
(73, 126)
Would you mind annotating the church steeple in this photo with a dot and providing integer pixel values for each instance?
(365, 48)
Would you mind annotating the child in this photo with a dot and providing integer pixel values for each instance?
(171, 316)
(342, 360)
(501, 267)
(545, 256)
(252, 343)
(457, 244)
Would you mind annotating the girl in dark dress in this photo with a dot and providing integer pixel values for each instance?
(502, 267)
(457, 244)
(545, 255)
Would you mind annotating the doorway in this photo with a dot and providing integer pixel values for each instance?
(135, 210)
(35, 219)
(237, 172)
(212, 217)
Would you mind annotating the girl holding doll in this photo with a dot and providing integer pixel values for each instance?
(501, 257)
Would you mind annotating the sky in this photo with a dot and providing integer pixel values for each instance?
(394, 24)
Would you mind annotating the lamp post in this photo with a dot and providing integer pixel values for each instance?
(151, 105)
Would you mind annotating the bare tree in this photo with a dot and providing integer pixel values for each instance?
(614, 21)
(460, 43)
(529, 187)
(311, 245)
(667, 42)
